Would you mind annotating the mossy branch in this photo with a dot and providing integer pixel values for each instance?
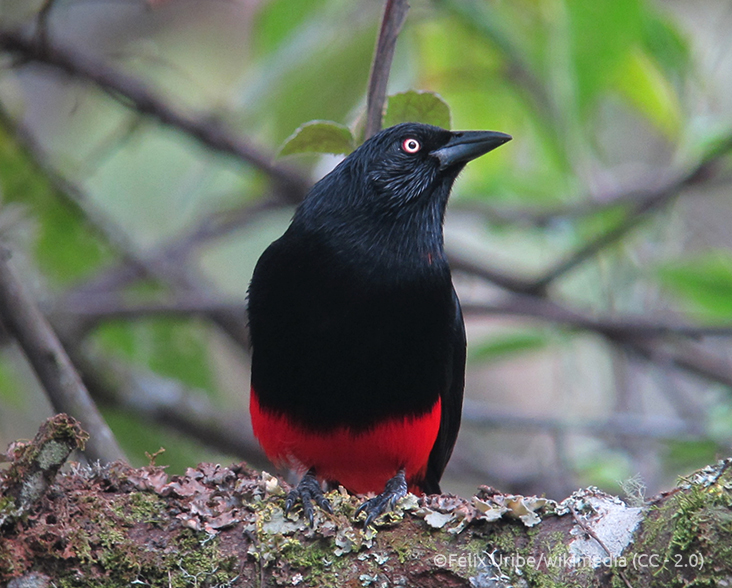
(217, 526)
(34, 466)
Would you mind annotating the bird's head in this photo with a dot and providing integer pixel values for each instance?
(410, 160)
(402, 174)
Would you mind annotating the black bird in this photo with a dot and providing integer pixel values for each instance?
(358, 342)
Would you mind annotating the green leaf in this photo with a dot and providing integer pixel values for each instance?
(319, 136)
(413, 106)
(705, 283)
(645, 86)
(500, 346)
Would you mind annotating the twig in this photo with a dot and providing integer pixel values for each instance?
(395, 13)
(52, 365)
(215, 225)
(638, 339)
(689, 359)
(462, 263)
(644, 206)
(625, 328)
(43, 19)
(131, 92)
(94, 307)
(591, 204)
(86, 308)
(481, 17)
(69, 193)
(631, 426)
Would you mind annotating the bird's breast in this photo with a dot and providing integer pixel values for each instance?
(339, 341)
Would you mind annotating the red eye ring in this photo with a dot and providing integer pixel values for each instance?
(411, 145)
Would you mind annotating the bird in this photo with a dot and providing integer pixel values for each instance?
(357, 337)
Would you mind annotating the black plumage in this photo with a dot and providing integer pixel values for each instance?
(353, 315)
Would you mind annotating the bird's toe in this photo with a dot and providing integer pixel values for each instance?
(395, 489)
(307, 492)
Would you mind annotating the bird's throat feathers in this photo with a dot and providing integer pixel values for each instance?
(376, 219)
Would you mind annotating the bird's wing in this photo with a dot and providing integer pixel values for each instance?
(452, 404)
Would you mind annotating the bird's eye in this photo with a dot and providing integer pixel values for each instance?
(411, 145)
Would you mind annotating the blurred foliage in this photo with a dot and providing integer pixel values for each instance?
(497, 346)
(66, 247)
(704, 283)
(601, 98)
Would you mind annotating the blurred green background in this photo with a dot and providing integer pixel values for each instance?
(610, 103)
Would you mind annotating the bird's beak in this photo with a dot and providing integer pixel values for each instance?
(466, 145)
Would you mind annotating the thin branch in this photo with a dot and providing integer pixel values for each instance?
(43, 19)
(650, 202)
(483, 18)
(626, 327)
(462, 263)
(642, 336)
(395, 13)
(93, 308)
(638, 338)
(690, 359)
(165, 267)
(481, 414)
(167, 402)
(134, 94)
(179, 250)
(590, 205)
(68, 192)
(105, 306)
(52, 365)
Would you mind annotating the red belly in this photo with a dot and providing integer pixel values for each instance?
(361, 462)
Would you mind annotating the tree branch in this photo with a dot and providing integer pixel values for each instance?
(169, 266)
(134, 94)
(641, 338)
(639, 334)
(541, 217)
(633, 426)
(226, 526)
(178, 250)
(395, 13)
(642, 208)
(166, 402)
(622, 328)
(52, 365)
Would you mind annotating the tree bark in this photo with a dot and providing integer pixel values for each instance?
(224, 526)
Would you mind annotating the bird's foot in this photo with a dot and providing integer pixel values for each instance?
(395, 489)
(307, 491)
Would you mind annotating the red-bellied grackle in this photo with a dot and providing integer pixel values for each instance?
(358, 342)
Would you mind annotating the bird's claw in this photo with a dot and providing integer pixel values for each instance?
(395, 489)
(307, 491)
